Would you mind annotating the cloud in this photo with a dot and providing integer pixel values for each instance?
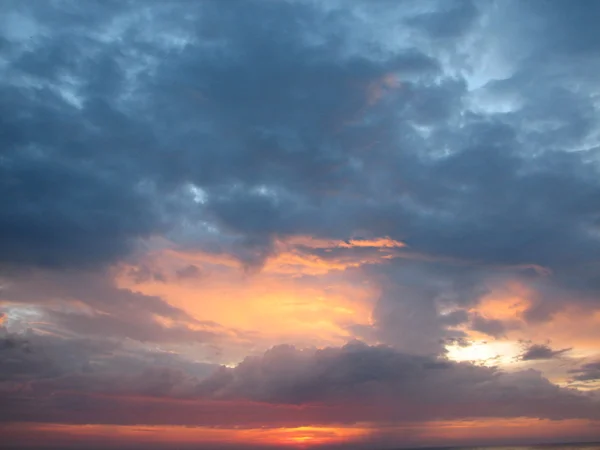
(349, 384)
(90, 304)
(282, 117)
(587, 372)
(455, 318)
(406, 387)
(423, 305)
(120, 199)
(143, 273)
(45, 363)
(491, 327)
(190, 271)
(435, 154)
(540, 351)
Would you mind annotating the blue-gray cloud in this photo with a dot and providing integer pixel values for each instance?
(467, 130)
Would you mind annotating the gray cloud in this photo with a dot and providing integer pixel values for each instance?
(143, 273)
(404, 386)
(190, 271)
(587, 372)
(62, 379)
(423, 302)
(89, 304)
(35, 363)
(540, 351)
(491, 327)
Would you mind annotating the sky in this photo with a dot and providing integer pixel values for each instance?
(299, 223)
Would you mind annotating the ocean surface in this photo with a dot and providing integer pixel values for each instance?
(586, 446)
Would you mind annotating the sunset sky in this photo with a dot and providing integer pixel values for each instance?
(299, 223)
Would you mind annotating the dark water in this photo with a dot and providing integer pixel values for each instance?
(587, 446)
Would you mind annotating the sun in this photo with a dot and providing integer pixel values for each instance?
(485, 353)
(302, 440)
(309, 436)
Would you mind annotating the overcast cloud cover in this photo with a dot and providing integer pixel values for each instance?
(423, 176)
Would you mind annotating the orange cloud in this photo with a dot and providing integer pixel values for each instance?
(274, 304)
(299, 296)
(306, 241)
(291, 257)
(274, 309)
(378, 243)
(508, 302)
(573, 326)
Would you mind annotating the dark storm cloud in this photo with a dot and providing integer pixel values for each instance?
(62, 206)
(267, 113)
(132, 119)
(288, 103)
(453, 19)
(574, 29)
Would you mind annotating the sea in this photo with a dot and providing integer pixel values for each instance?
(582, 446)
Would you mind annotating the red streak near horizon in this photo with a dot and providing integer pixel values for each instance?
(460, 432)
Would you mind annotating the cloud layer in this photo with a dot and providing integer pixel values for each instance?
(236, 182)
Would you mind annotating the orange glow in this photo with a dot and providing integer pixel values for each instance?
(512, 430)
(278, 308)
(307, 241)
(380, 243)
(297, 264)
(430, 433)
(508, 303)
(291, 299)
(289, 260)
(26, 433)
(315, 435)
(571, 327)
